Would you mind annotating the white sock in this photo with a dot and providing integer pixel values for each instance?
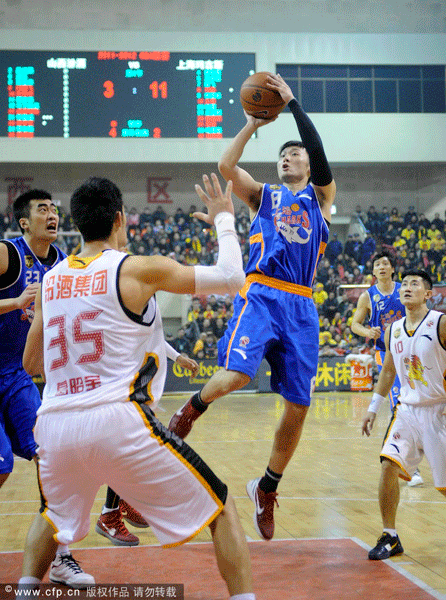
(392, 532)
(28, 581)
(106, 510)
(243, 597)
(61, 549)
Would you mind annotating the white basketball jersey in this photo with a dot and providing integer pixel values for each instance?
(95, 350)
(420, 361)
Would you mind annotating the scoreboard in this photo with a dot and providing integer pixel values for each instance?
(122, 94)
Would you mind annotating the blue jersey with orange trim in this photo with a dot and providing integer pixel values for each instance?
(288, 235)
(14, 325)
(385, 310)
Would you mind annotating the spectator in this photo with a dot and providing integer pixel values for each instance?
(333, 249)
(368, 248)
(349, 248)
(133, 218)
(145, 217)
(159, 214)
(319, 295)
(408, 216)
(181, 343)
(219, 327)
(210, 345)
(199, 344)
(330, 306)
(407, 231)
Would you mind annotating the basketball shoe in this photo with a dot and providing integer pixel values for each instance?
(111, 526)
(66, 570)
(386, 547)
(131, 515)
(416, 479)
(183, 420)
(264, 508)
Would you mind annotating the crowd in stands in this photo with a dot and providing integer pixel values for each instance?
(412, 239)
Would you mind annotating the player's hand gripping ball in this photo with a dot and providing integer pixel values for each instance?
(258, 100)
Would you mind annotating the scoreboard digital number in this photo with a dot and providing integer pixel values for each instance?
(127, 94)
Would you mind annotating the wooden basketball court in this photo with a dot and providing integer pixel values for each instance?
(327, 519)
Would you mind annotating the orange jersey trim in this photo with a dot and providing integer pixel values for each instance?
(74, 262)
(278, 284)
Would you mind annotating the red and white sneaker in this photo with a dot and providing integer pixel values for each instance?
(131, 515)
(183, 420)
(111, 526)
(264, 511)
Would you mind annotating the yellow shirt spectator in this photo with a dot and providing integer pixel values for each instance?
(320, 295)
(424, 243)
(407, 232)
(432, 233)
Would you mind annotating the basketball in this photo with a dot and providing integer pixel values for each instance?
(258, 100)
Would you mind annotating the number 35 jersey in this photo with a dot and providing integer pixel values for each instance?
(96, 351)
(24, 268)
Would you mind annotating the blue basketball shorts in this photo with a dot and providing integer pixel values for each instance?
(280, 326)
(19, 402)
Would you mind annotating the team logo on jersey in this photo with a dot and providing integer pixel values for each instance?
(397, 333)
(376, 298)
(396, 435)
(275, 187)
(430, 324)
(29, 261)
(28, 313)
(244, 341)
(294, 225)
(415, 371)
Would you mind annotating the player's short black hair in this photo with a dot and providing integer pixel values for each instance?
(94, 206)
(384, 254)
(289, 144)
(419, 273)
(20, 208)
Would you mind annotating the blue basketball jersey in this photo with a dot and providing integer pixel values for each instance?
(288, 235)
(385, 310)
(14, 325)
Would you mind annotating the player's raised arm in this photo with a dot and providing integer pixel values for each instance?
(245, 187)
(321, 176)
(160, 273)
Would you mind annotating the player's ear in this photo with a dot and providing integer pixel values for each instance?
(24, 223)
(429, 294)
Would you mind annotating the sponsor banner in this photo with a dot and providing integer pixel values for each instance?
(333, 373)
(179, 380)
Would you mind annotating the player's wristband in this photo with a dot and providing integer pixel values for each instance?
(375, 403)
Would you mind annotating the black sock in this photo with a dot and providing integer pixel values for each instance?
(111, 500)
(198, 403)
(270, 481)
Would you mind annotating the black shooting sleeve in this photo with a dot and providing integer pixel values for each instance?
(319, 167)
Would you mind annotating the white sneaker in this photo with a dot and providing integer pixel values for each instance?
(416, 479)
(66, 570)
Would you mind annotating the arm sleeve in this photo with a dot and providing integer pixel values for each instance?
(171, 352)
(227, 276)
(319, 167)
